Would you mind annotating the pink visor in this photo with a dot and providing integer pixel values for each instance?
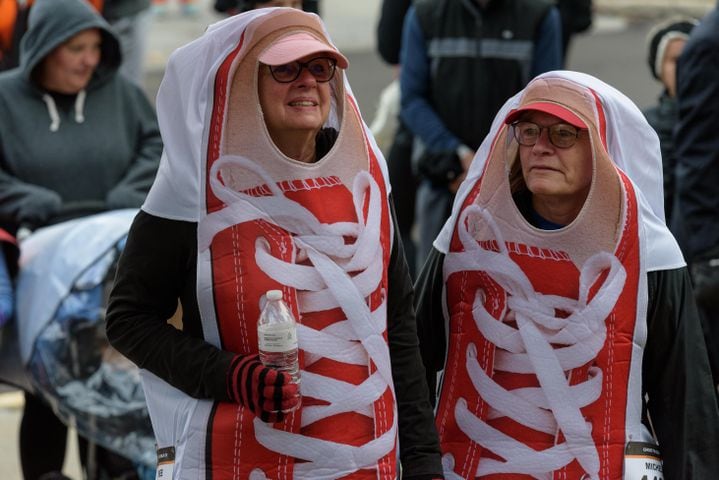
(293, 47)
(551, 108)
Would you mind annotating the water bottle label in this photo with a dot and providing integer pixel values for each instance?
(277, 338)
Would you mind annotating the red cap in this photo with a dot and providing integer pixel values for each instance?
(293, 47)
(550, 108)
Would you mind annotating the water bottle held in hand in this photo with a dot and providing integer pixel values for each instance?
(277, 336)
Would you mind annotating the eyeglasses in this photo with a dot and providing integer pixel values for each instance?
(322, 68)
(561, 135)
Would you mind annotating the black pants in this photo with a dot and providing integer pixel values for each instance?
(43, 439)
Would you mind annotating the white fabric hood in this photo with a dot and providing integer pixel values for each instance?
(631, 144)
(185, 105)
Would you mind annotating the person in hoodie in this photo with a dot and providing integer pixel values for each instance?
(75, 138)
(271, 180)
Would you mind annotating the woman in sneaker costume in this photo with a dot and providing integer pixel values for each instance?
(558, 306)
(271, 180)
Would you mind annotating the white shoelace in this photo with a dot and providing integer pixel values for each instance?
(325, 285)
(543, 345)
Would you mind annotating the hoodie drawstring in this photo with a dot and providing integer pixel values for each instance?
(52, 111)
(79, 105)
(55, 117)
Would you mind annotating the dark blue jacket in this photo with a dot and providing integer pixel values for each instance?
(697, 141)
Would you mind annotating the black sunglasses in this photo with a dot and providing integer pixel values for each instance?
(322, 68)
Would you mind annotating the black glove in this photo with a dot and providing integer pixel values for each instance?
(440, 168)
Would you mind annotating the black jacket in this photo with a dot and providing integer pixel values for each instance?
(675, 377)
(389, 29)
(696, 140)
(479, 58)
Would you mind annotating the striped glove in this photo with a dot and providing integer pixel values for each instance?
(264, 390)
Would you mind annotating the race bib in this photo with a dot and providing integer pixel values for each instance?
(165, 463)
(642, 461)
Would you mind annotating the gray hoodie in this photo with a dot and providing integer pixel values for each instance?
(63, 156)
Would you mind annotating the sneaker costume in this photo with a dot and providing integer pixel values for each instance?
(230, 217)
(554, 338)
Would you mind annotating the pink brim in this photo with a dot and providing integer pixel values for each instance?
(550, 108)
(298, 45)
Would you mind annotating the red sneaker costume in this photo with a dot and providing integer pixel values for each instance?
(321, 232)
(546, 329)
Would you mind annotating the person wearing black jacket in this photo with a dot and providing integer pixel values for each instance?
(555, 314)
(666, 42)
(697, 172)
(398, 138)
(461, 59)
(576, 18)
(389, 29)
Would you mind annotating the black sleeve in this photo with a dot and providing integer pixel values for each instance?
(682, 401)
(157, 267)
(418, 441)
(389, 29)
(430, 318)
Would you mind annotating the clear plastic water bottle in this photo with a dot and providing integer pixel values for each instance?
(277, 336)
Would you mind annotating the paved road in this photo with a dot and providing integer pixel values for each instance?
(614, 51)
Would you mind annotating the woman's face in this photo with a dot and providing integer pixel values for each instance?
(69, 67)
(557, 173)
(298, 107)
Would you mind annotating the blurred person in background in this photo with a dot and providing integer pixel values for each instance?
(76, 138)
(13, 23)
(666, 41)
(128, 18)
(392, 135)
(461, 60)
(576, 18)
(696, 146)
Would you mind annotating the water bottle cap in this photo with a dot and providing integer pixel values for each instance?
(274, 294)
